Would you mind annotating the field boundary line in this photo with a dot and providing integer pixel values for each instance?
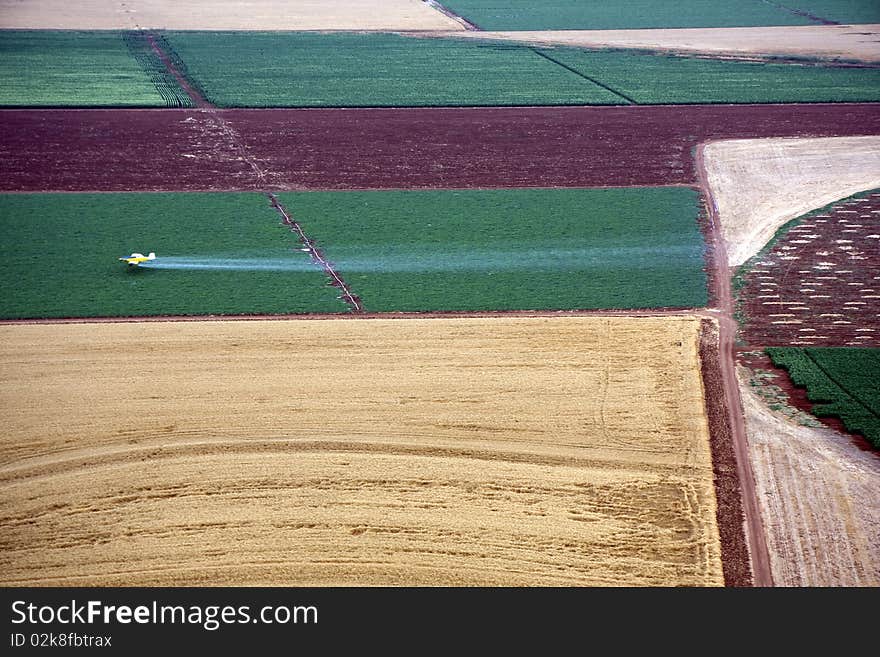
(703, 313)
(347, 296)
(762, 574)
(584, 76)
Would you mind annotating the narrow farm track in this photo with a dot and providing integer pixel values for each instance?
(723, 300)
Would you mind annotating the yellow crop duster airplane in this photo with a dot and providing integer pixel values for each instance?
(136, 259)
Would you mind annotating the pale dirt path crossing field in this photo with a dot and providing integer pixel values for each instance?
(559, 451)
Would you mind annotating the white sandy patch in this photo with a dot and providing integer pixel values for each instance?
(224, 15)
(852, 42)
(760, 184)
(819, 497)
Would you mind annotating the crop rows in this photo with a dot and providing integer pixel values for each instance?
(842, 382)
(81, 69)
(141, 49)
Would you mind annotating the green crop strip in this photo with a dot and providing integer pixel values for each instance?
(82, 69)
(667, 79)
(238, 69)
(217, 254)
(515, 249)
(632, 14)
(843, 382)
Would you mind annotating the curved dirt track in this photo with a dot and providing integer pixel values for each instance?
(496, 452)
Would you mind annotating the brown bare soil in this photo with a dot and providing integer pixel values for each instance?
(820, 283)
(728, 491)
(846, 42)
(118, 150)
(820, 498)
(224, 15)
(760, 184)
(558, 451)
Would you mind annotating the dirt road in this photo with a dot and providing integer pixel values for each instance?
(723, 300)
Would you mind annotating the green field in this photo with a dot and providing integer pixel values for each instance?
(515, 249)
(633, 14)
(666, 79)
(839, 11)
(238, 69)
(82, 69)
(229, 255)
(381, 70)
(843, 382)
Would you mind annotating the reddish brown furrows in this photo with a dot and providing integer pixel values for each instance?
(820, 283)
(183, 150)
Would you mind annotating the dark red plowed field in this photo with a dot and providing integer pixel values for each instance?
(819, 285)
(181, 150)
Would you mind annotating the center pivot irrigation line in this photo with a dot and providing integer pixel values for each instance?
(353, 301)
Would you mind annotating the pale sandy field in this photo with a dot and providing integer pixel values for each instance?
(758, 185)
(819, 497)
(847, 42)
(224, 15)
(528, 451)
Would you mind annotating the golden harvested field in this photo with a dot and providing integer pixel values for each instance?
(224, 15)
(521, 451)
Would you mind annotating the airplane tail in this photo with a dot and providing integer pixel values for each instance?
(151, 256)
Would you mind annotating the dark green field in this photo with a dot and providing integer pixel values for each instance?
(300, 69)
(384, 70)
(635, 14)
(59, 257)
(843, 382)
(657, 79)
(399, 251)
(515, 249)
(82, 69)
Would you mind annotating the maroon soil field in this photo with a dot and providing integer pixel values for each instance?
(183, 150)
(819, 284)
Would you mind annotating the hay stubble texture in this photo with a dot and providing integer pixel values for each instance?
(524, 451)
